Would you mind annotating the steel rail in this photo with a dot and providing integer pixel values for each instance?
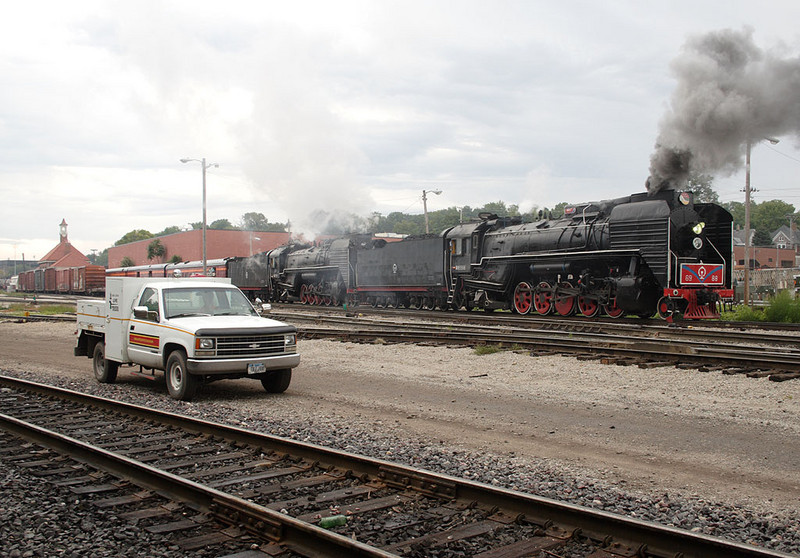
(259, 521)
(646, 538)
(782, 358)
(644, 329)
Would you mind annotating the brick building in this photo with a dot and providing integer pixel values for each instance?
(189, 246)
(63, 254)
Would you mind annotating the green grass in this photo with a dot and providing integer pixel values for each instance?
(781, 308)
(491, 349)
(34, 308)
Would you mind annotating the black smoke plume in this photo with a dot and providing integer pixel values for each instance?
(729, 93)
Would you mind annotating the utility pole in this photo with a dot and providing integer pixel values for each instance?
(747, 191)
(204, 167)
(747, 226)
(425, 206)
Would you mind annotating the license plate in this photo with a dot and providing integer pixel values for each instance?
(256, 368)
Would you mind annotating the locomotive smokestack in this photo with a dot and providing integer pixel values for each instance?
(729, 93)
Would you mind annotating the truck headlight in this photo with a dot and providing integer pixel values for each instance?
(289, 339)
(204, 343)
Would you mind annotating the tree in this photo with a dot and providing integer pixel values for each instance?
(770, 215)
(169, 230)
(700, 184)
(127, 262)
(134, 236)
(156, 250)
(257, 222)
(761, 238)
(99, 258)
(221, 225)
(737, 210)
(253, 221)
(175, 259)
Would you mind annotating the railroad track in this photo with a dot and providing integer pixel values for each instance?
(242, 489)
(774, 355)
(743, 351)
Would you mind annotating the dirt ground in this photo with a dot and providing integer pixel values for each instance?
(725, 438)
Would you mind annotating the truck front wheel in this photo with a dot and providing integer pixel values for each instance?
(104, 370)
(180, 384)
(278, 381)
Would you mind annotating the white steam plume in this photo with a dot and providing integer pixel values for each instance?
(729, 93)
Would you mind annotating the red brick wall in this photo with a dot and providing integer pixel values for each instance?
(765, 256)
(189, 246)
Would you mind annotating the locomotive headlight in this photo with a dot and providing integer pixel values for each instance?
(697, 242)
(698, 228)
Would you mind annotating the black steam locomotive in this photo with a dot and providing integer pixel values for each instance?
(639, 254)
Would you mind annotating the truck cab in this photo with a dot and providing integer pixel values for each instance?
(196, 330)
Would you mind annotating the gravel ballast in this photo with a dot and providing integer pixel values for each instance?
(553, 426)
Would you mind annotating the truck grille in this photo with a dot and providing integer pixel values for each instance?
(250, 346)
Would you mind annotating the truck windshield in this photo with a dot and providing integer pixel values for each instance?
(206, 301)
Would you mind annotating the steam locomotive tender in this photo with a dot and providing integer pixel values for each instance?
(637, 255)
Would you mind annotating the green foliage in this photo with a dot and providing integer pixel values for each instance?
(762, 238)
(169, 230)
(220, 225)
(737, 210)
(770, 215)
(783, 308)
(100, 258)
(253, 222)
(487, 349)
(134, 236)
(767, 216)
(744, 313)
(175, 259)
(156, 250)
(701, 185)
(38, 308)
(127, 262)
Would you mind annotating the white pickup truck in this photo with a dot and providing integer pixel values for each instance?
(194, 329)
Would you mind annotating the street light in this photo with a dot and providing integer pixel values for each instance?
(425, 205)
(204, 166)
(747, 191)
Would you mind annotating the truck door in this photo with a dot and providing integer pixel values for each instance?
(144, 341)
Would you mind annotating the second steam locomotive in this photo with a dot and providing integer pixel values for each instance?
(640, 254)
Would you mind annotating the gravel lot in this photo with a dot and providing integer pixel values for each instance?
(702, 451)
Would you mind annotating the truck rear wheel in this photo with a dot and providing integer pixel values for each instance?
(278, 381)
(104, 370)
(180, 384)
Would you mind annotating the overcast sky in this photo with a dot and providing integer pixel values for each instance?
(343, 106)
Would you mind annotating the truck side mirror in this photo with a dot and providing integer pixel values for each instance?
(143, 313)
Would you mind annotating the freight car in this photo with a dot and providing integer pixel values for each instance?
(79, 280)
